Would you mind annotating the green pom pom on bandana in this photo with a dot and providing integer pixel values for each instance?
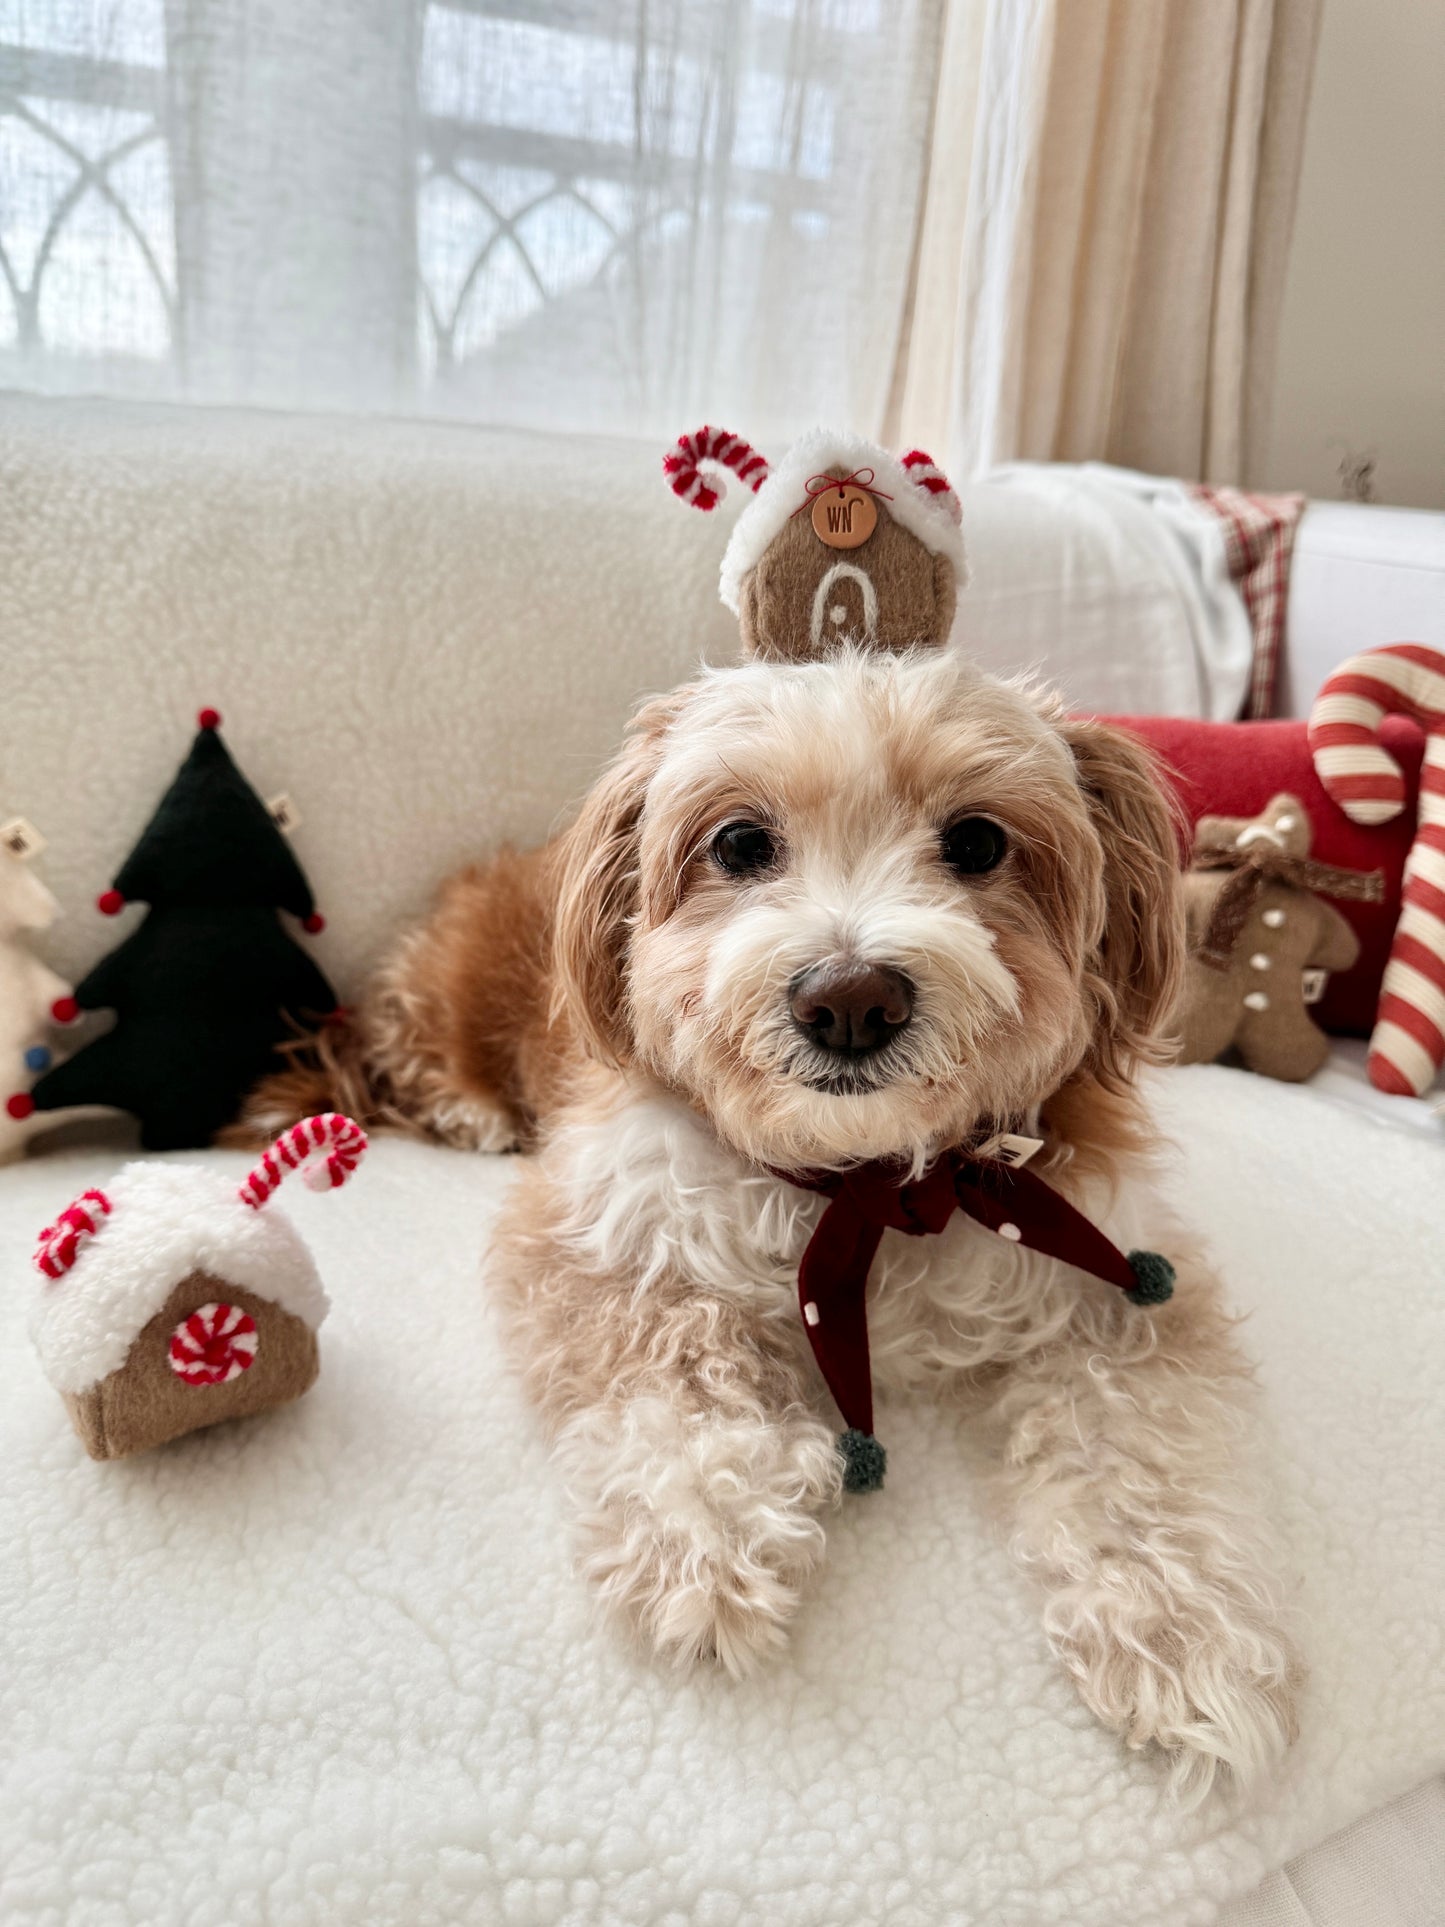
(1155, 1278)
(864, 1461)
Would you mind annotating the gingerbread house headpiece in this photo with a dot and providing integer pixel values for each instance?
(841, 542)
(174, 1299)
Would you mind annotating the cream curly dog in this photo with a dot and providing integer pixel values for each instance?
(816, 914)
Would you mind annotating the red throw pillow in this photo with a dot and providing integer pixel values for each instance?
(1233, 769)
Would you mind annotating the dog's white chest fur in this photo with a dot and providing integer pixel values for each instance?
(655, 1195)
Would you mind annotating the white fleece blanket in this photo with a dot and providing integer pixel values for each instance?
(333, 1666)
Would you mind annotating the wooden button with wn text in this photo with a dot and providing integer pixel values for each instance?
(844, 517)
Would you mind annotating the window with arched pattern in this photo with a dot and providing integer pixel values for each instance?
(592, 213)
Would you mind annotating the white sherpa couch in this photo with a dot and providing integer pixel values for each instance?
(334, 1666)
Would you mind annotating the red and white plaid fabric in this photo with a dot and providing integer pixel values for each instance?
(1259, 532)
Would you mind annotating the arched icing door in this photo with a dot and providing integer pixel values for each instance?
(845, 603)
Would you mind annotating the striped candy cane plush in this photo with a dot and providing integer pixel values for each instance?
(1405, 678)
(60, 1242)
(694, 469)
(922, 470)
(326, 1150)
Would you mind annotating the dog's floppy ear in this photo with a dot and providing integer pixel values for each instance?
(1138, 963)
(598, 891)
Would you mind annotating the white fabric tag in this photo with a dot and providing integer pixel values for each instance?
(21, 839)
(1011, 1149)
(1312, 984)
(284, 814)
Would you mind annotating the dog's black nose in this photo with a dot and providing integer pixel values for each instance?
(852, 1007)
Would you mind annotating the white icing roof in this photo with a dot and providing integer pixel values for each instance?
(165, 1220)
(927, 516)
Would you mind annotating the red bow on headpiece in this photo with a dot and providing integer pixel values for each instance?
(820, 484)
(872, 1199)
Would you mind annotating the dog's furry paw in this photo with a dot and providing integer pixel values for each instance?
(693, 1603)
(700, 1530)
(471, 1124)
(1211, 1680)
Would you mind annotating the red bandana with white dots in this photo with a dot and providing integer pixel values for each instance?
(874, 1198)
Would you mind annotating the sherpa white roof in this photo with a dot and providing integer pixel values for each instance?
(924, 515)
(165, 1220)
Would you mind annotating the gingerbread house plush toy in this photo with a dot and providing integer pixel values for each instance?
(842, 541)
(174, 1299)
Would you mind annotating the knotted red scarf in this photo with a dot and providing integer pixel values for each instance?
(874, 1198)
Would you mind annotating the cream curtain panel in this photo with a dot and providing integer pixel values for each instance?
(1051, 228)
(1106, 231)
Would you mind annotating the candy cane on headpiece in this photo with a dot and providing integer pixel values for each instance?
(1407, 1046)
(696, 467)
(325, 1150)
(925, 472)
(60, 1242)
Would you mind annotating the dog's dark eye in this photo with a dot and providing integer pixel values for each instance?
(743, 847)
(973, 845)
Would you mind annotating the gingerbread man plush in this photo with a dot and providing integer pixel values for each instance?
(1260, 940)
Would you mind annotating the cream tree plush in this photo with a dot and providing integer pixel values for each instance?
(32, 997)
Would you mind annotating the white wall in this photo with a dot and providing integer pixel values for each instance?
(1362, 346)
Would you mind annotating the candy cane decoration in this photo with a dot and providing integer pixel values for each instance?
(60, 1242)
(300, 1149)
(696, 467)
(925, 472)
(213, 1344)
(1407, 1046)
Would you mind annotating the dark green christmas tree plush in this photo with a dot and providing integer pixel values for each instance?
(210, 983)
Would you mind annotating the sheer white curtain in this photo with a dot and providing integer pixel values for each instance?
(600, 214)
(1001, 228)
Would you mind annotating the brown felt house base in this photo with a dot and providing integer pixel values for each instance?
(916, 592)
(145, 1403)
